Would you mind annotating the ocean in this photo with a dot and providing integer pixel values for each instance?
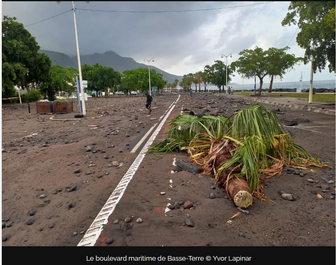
(329, 84)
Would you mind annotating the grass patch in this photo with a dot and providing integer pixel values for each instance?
(321, 97)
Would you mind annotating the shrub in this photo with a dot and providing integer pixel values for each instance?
(32, 95)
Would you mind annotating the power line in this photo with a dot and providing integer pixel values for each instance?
(48, 18)
(292, 36)
(170, 11)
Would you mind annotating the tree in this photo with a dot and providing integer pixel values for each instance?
(21, 63)
(316, 20)
(187, 80)
(100, 78)
(216, 74)
(198, 80)
(252, 63)
(257, 62)
(137, 79)
(279, 63)
(60, 79)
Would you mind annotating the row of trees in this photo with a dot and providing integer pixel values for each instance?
(315, 19)
(23, 66)
(251, 63)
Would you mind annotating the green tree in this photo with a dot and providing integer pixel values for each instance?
(279, 62)
(260, 63)
(216, 74)
(252, 63)
(316, 20)
(22, 65)
(137, 79)
(101, 78)
(60, 79)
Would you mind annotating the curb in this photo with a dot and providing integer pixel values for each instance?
(296, 106)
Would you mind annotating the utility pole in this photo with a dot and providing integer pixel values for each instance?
(149, 82)
(226, 56)
(310, 100)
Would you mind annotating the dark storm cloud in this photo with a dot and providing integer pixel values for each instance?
(182, 36)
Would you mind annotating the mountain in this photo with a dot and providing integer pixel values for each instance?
(110, 59)
(58, 58)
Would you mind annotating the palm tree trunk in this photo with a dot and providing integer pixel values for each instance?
(271, 84)
(240, 192)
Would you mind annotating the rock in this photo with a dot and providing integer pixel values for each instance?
(4, 238)
(109, 240)
(106, 157)
(88, 173)
(66, 141)
(30, 222)
(116, 221)
(139, 220)
(180, 202)
(188, 166)
(287, 196)
(310, 180)
(71, 205)
(241, 234)
(189, 222)
(213, 187)
(89, 148)
(9, 224)
(76, 171)
(51, 226)
(75, 233)
(31, 213)
(72, 188)
(3, 224)
(188, 204)
(171, 207)
(128, 219)
(162, 193)
(42, 196)
(212, 196)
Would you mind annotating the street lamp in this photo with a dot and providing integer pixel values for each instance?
(79, 63)
(226, 56)
(152, 59)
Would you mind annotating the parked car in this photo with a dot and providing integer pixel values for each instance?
(119, 93)
(73, 96)
(134, 93)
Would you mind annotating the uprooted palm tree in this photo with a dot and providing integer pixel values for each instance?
(241, 153)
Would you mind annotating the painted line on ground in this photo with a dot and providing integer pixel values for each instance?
(135, 148)
(95, 229)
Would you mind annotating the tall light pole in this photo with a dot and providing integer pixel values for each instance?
(226, 56)
(310, 99)
(79, 63)
(149, 82)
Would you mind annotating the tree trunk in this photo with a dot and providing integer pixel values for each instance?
(240, 192)
(261, 83)
(271, 84)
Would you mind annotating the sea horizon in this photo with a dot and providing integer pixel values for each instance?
(327, 84)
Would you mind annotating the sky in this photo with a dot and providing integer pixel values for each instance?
(181, 37)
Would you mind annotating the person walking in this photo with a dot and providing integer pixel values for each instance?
(191, 92)
(149, 100)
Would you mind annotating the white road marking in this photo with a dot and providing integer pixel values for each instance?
(135, 148)
(95, 229)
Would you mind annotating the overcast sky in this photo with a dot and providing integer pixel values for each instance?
(182, 37)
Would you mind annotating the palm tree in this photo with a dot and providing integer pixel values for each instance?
(241, 153)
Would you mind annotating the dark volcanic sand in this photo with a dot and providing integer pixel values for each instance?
(41, 155)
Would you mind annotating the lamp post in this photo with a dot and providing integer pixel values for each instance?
(310, 97)
(149, 82)
(83, 109)
(226, 56)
